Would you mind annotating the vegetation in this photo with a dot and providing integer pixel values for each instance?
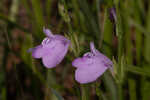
(124, 37)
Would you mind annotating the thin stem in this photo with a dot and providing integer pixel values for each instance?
(14, 9)
(120, 92)
(119, 33)
(7, 39)
(50, 82)
(99, 92)
(99, 22)
(85, 92)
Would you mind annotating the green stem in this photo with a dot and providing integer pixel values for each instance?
(50, 82)
(48, 9)
(14, 10)
(120, 91)
(85, 92)
(99, 92)
(119, 33)
(99, 26)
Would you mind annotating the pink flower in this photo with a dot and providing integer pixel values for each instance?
(52, 49)
(91, 66)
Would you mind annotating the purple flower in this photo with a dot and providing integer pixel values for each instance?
(112, 14)
(91, 66)
(52, 49)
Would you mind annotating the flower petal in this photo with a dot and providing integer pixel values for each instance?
(105, 60)
(82, 62)
(92, 47)
(90, 73)
(37, 51)
(61, 38)
(47, 32)
(56, 53)
(50, 61)
(78, 62)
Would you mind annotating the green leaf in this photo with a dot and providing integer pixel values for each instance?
(137, 70)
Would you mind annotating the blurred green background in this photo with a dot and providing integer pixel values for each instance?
(126, 41)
